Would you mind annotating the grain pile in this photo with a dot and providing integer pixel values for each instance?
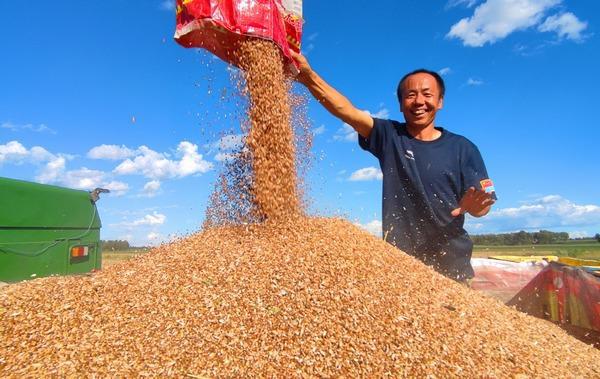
(289, 297)
(314, 298)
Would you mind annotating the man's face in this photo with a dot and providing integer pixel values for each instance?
(420, 100)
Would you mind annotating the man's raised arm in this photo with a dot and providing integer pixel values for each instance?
(336, 103)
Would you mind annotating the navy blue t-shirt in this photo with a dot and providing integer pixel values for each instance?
(423, 181)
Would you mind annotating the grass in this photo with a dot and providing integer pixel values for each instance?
(575, 249)
(111, 257)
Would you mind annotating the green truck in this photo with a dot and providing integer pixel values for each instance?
(47, 230)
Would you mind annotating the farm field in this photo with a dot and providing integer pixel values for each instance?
(588, 250)
(109, 258)
(585, 250)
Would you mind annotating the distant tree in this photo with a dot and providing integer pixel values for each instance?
(563, 237)
(597, 237)
(543, 237)
(115, 245)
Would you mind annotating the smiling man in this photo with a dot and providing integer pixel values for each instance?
(431, 177)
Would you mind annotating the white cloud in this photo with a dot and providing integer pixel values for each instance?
(13, 152)
(83, 178)
(579, 234)
(40, 128)
(116, 188)
(225, 157)
(39, 154)
(110, 152)
(306, 49)
(495, 19)
(312, 37)
(566, 25)
(347, 133)
(54, 168)
(548, 212)
(382, 113)
(154, 165)
(366, 174)
(153, 219)
(52, 171)
(445, 71)
(230, 142)
(153, 236)
(309, 43)
(374, 227)
(226, 147)
(474, 82)
(151, 188)
(191, 162)
(319, 130)
(466, 3)
(167, 5)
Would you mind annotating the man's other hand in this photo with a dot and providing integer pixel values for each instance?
(475, 202)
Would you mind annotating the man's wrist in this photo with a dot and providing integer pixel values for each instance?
(307, 77)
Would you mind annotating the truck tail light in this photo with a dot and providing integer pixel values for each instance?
(79, 251)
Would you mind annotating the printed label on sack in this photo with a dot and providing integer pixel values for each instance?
(487, 185)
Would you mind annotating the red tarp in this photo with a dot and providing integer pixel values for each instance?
(563, 294)
(503, 279)
(219, 25)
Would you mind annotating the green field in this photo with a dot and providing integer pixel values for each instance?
(573, 249)
(111, 257)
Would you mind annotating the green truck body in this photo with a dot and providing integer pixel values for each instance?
(47, 230)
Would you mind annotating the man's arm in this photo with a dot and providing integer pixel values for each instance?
(336, 103)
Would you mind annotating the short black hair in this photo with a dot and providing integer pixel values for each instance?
(438, 79)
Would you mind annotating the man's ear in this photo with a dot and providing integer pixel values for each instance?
(440, 103)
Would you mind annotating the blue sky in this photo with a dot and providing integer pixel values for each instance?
(97, 94)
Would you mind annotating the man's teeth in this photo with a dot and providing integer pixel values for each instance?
(419, 112)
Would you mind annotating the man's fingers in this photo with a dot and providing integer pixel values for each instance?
(468, 196)
(488, 202)
(479, 196)
(457, 212)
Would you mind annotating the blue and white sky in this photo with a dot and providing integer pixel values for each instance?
(97, 94)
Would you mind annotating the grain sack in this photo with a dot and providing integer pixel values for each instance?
(219, 26)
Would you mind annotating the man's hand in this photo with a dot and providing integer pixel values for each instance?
(475, 202)
(303, 67)
(336, 103)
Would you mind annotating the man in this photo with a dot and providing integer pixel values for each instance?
(431, 177)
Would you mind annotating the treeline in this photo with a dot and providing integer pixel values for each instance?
(543, 237)
(112, 245)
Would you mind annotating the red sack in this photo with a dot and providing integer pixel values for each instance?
(219, 25)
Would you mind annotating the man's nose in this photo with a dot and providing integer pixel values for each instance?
(420, 99)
